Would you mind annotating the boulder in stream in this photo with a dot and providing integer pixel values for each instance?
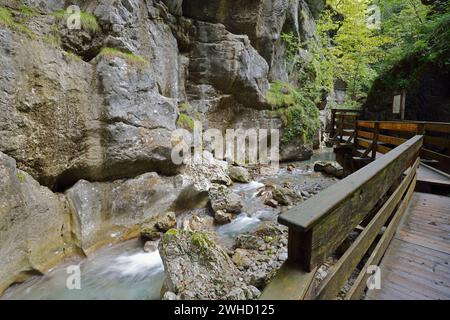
(239, 174)
(197, 268)
(329, 167)
(286, 196)
(222, 198)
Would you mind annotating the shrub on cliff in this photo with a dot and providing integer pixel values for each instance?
(298, 113)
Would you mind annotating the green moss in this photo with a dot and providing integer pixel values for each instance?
(281, 94)
(201, 240)
(88, 20)
(22, 177)
(172, 232)
(131, 58)
(184, 107)
(53, 40)
(298, 113)
(7, 19)
(27, 11)
(185, 122)
(72, 56)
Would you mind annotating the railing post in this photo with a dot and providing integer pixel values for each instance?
(333, 123)
(300, 249)
(341, 129)
(376, 132)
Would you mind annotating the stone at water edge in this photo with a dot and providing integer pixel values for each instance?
(150, 233)
(271, 203)
(222, 217)
(152, 229)
(222, 198)
(329, 167)
(239, 174)
(286, 196)
(197, 268)
(151, 246)
(166, 221)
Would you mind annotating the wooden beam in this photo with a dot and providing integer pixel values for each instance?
(290, 283)
(392, 126)
(383, 149)
(358, 287)
(437, 141)
(437, 127)
(329, 217)
(342, 270)
(444, 160)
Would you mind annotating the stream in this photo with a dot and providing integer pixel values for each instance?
(125, 272)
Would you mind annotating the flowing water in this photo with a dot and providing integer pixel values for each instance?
(125, 272)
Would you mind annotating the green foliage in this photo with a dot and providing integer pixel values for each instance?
(281, 95)
(354, 48)
(7, 19)
(185, 122)
(422, 38)
(128, 56)
(299, 114)
(88, 20)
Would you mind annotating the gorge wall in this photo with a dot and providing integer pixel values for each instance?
(86, 115)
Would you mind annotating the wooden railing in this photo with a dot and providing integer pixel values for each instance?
(373, 197)
(382, 137)
(343, 124)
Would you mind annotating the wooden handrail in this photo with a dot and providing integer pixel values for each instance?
(319, 225)
(436, 141)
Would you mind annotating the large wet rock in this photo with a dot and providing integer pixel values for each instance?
(34, 225)
(196, 268)
(109, 212)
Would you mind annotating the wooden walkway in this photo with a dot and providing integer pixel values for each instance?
(417, 263)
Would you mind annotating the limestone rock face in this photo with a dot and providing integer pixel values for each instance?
(229, 63)
(196, 268)
(262, 21)
(34, 225)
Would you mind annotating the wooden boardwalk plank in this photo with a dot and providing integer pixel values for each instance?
(417, 262)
